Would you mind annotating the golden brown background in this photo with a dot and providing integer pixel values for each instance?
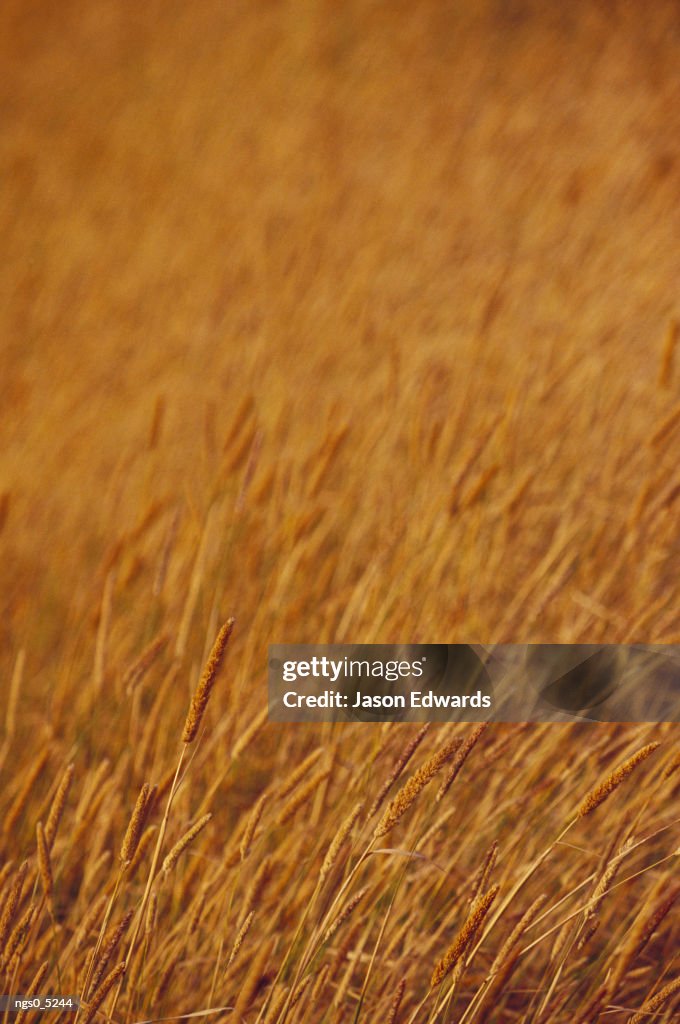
(357, 321)
(398, 218)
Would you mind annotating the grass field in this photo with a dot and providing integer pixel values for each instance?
(357, 323)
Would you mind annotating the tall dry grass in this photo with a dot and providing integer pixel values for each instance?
(278, 873)
(356, 324)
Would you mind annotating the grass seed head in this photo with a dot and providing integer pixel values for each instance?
(458, 947)
(415, 785)
(58, 805)
(238, 941)
(102, 992)
(251, 826)
(339, 840)
(135, 827)
(44, 863)
(600, 793)
(206, 683)
(181, 844)
(650, 1007)
(345, 913)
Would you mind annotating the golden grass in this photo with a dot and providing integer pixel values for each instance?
(357, 324)
(604, 789)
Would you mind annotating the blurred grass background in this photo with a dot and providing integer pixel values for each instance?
(394, 219)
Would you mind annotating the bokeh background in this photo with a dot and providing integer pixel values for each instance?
(393, 222)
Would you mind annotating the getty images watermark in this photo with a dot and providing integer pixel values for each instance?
(474, 682)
